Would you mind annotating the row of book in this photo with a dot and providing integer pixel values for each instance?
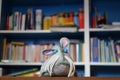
(37, 21)
(24, 21)
(104, 50)
(22, 52)
(33, 72)
(30, 72)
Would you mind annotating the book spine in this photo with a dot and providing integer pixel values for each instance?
(23, 72)
(54, 20)
(76, 20)
(38, 20)
(71, 18)
(23, 22)
(95, 50)
(61, 19)
(17, 43)
(27, 20)
(1, 71)
(31, 20)
(7, 24)
(81, 18)
(47, 22)
(94, 21)
(4, 48)
(11, 22)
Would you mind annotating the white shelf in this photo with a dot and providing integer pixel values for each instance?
(31, 31)
(81, 30)
(104, 64)
(101, 29)
(79, 63)
(32, 64)
(25, 31)
(20, 64)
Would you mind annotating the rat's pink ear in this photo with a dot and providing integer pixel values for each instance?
(49, 52)
(64, 42)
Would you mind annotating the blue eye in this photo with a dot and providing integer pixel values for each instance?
(65, 50)
(55, 51)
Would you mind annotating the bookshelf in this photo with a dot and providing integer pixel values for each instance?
(104, 68)
(88, 67)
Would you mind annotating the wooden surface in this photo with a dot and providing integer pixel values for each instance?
(59, 78)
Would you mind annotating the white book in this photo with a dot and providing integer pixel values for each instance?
(1, 71)
(23, 22)
(91, 49)
(38, 19)
(116, 23)
(77, 52)
(63, 29)
(16, 20)
(10, 21)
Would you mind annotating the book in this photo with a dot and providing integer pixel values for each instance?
(64, 28)
(108, 26)
(16, 20)
(95, 55)
(27, 19)
(23, 22)
(1, 71)
(22, 72)
(13, 61)
(17, 43)
(4, 48)
(81, 18)
(7, 27)
(32, 20)
(30, 74)
(47, 22)
(38, 19)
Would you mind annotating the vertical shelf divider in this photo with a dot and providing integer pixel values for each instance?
(86, 38)
(0, 10)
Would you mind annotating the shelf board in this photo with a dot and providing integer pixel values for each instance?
(32, 64)
(101, 29)
(25, 31)
(79, 63)
(31, 31)
(104, 64)
(81, 30)
(20, 64)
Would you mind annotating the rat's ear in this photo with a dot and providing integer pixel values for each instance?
(48, 52)
(64, 42)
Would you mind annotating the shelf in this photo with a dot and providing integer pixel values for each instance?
(33, 64)
(104, 64)
(79, 63)
(101, 30)
(34, 31)
(20, 64)
(25, 31)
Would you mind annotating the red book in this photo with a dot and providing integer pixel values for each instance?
(7, 24)
(81, 18)
(71, 17)
(94, 22)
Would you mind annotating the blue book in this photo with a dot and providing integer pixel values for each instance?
(95, 56)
